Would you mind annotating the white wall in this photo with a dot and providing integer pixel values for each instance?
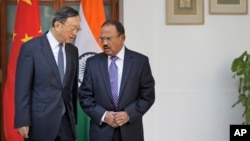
(191, 65)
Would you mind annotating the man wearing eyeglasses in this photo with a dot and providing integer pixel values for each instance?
(46, 82)
(117, 89)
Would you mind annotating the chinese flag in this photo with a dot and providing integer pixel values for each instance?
(27, 26)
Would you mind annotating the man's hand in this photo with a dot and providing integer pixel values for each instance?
(24, 131)
(121, 118)
(110, 119)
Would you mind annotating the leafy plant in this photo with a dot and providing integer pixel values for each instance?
(241, 69)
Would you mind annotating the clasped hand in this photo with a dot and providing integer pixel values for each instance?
(116, 119)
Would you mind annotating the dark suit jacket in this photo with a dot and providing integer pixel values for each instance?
(39, 92)
(137, 95)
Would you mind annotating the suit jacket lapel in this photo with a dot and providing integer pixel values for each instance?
(105, 74)
(48, 54)
(68, 64)
(127, 65)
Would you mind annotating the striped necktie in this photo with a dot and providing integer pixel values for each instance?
(113, 77)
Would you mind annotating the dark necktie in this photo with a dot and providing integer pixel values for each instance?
(61, 69)
(113, 77)
(61, 62)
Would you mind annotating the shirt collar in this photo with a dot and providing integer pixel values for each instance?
(121, 53)
(52, 40)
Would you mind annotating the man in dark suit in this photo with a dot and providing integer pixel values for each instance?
(46, 100)
(116, 103)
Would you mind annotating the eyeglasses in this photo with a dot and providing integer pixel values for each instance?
(108, 39)
(72, 28)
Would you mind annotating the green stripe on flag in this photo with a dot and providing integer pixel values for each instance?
(82, 127)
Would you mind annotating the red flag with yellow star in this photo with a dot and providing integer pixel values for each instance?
(27, 26)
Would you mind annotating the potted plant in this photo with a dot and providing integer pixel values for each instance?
(241, 69)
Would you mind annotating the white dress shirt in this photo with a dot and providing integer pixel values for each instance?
(54, 44)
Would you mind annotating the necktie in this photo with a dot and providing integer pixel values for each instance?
(113, 77)
(61, 70)
(61, 62)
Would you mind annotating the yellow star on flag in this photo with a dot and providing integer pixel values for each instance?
(13, 36)
(40, 30)
(27, 38)
(28, 2)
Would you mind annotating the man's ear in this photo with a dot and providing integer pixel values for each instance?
(58, 25)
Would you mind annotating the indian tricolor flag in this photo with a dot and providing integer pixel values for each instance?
(92, 16)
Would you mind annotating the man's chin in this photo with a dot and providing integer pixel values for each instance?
(70, 40)
(108, 51)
